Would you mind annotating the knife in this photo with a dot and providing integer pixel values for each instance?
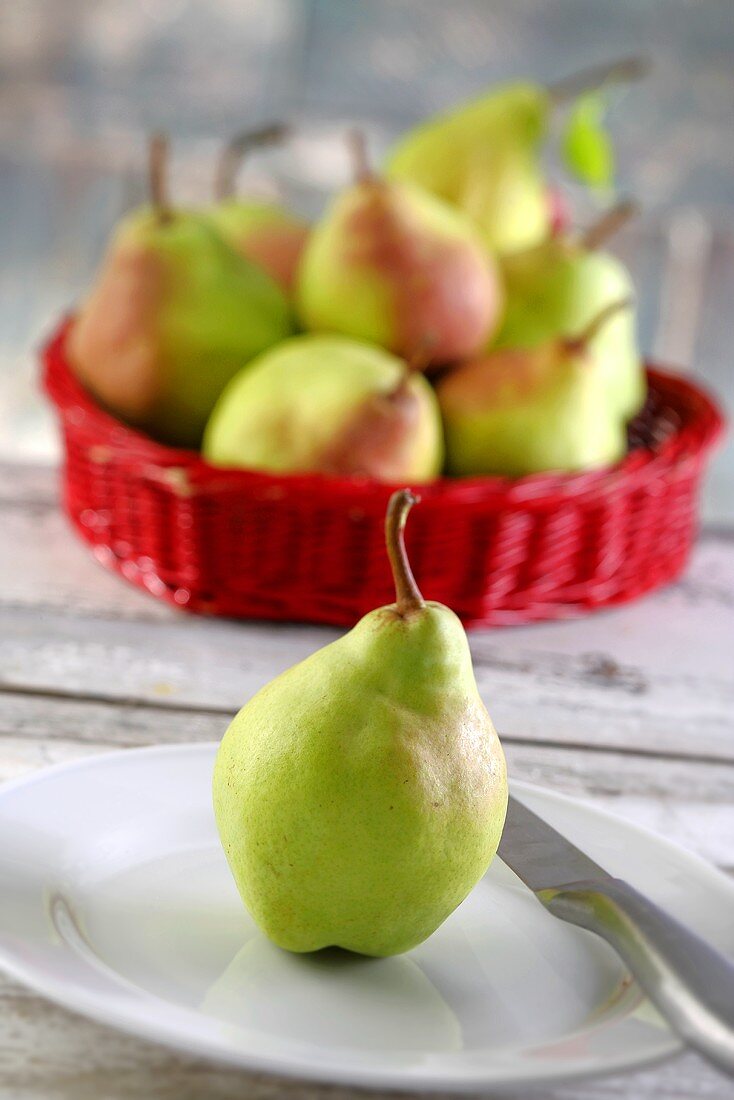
(689, 982)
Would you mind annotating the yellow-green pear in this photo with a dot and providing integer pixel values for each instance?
(173, 315)
(262, 231)
(393, 264)
(328, 404)
(556, 289)
(360, 795)
(484, 156)
(524, 411)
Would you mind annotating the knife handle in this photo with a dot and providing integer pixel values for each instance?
(690, 983)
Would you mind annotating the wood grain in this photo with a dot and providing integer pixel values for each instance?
(651, 677)
(690, 801)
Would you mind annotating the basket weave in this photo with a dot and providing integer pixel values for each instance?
(252, 545)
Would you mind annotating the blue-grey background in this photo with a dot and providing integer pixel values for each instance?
(82, 81)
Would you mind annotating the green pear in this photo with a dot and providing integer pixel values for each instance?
(483, 157)
(557, 288)
(174, 314)
(523, 411)
(360, 795)
(263, 232)
(392, 264)
(328, 404)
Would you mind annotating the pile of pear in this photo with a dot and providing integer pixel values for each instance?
(434, 320)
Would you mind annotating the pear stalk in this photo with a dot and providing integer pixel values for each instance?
(360, 159)
(420, 360)
(237, 149)
(407, 593)
(610, 222)
(616, 72)
(597, 323)
(157, 181)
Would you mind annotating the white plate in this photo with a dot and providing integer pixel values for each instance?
(116, 901)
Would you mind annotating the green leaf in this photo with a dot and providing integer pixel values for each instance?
(586, 146)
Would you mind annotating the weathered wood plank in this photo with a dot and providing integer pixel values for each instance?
(653, 677)
(44, 566)
(691, 802)
(27, 483)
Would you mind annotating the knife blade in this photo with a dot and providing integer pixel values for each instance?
(690, 983)
(541, 856)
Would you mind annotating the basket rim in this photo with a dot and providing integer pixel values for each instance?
(702, 425)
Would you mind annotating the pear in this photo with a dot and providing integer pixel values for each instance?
(523, 411)
(174, 314)
(557, 288)
(263, 232)
(328, 404)
(361, 794)
(484, 155)
(392, 264)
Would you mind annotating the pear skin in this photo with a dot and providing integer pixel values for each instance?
(523, 411)
(262, 231)
(483, 157)
(265, 234)
(394, 265)
(360, 795)
(173, 315)
(555, 290)
(327, 404)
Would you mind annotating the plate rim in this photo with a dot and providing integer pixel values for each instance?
(98, 1008)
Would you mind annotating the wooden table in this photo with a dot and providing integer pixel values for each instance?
(633, 709)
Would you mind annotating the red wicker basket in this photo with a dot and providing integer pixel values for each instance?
(245, 544)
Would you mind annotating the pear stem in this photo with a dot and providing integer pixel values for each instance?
(408, 596)
(610, 222)
(357, 143)
(615, 72)
(597, 323)
(237, 149)
(157, 177)
(420, 358)
(401, 387)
